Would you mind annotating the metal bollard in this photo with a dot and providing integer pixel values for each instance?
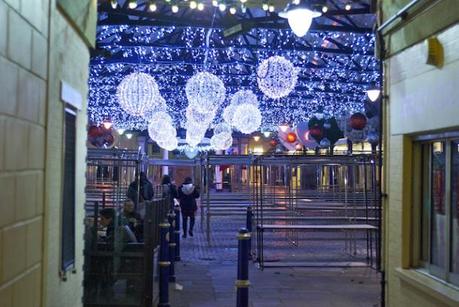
(171, 219)
(249, 229)
(164, 265)
(177, 233)
(242, 282)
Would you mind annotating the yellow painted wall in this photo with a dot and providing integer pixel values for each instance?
(422, 99)
(38, 48)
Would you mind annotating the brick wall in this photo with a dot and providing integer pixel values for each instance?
(23, 86)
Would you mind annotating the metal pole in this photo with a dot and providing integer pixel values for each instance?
(172, 245)
(242, 282)
(249, 229)
(208, 201)
(177, 234)
(164, 264)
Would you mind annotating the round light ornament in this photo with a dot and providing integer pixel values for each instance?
(221, 141)
(205, 91)
(169, 144)
(222, 128)
(244, 96)
(138, 93)
(193, 114)
(247, 118)
(228, 114)
(159, 106)
(277, 77)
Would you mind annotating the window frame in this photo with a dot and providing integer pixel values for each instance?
(422, 203)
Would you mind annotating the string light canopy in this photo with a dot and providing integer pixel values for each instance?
(335, 60)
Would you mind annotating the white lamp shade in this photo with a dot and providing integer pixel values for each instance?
(373, 94)
(300, 20)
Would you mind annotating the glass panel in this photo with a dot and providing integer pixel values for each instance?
(455, 206)
(425, 221)
(437, 248)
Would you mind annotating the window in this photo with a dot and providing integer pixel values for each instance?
(68, 206)
(439, 212)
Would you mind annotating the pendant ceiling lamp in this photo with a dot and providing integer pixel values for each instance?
(300, 15)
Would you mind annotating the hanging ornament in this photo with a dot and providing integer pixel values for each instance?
(194, 133)
(228, 114)
(205, 92)
(169, 144)
(277, 77)
(159, 106)
(201, 118)
(221, 141)
(160, 122)
(244, 96)
(358, 121)
(191, 152)
(247, 118)
(222, 128)
(291, 137)
(138, 93)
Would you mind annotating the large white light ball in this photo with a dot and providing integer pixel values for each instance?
(159, 106)
(193, 114)
(221, 141)
(205, 91)
(194, 133)
(244, 96)
(247, 118)
(169, 144)
(277, 77)
(159, 123)
(222, 128)
(137, 93)
(228, 114)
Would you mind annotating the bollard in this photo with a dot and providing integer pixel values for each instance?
(171, 219)
(249, 229)
(242, 282)
(177, 233)
(164, 265)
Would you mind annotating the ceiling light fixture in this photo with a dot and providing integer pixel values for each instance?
(299, 17)
(152, 7)
(132, 4)
(265, 6)
(193, 5)
(348, 6)
(200, 6)
(373, 93)
(174, 9)
(222, 7)
(233, 10)
(114, 4)
(324, 9)
(271, 8)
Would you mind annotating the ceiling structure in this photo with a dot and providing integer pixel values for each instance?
(335, 59)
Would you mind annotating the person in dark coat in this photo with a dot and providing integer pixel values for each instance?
(169, 190)
(146, 189)
(187, 194)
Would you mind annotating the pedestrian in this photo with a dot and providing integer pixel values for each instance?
(146, 189)
(187, 194)
(169, 191)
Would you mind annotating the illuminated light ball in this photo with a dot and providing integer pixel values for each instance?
(168, 144)
(194, 133)
(159, 106)
(228, 114)
(205, 91)
(159, 122)
(277, 77)
(191, 152)
(221, 141)
(247, 118)
(193, 114)
(222, 128)
(244, 96)
(324, 143)
(358, 121)
(316, 132)
(137, 93)
(291, 137)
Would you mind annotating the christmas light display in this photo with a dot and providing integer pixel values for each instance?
(247, 118)
(205, 92)
(244, 96)
(277, 77)
(138, 93)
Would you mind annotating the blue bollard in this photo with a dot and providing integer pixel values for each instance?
(177, 233)
(242, 282)
(249, 229)
(171, 219)
(164, 265)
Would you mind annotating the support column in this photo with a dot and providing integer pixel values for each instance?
(165, 158)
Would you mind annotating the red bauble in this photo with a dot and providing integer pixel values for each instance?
(291, 137)
(358, 121)
(316, 132)
(94, 131)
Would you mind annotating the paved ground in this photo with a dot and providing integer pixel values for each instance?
(207, 274)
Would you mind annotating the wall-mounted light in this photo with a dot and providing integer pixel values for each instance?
(267, 134)
(129, 135)
(373, 93)
(120, 131)
(437, 147)
(256, 138)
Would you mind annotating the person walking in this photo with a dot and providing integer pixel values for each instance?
(187, 194)
(145, 189)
